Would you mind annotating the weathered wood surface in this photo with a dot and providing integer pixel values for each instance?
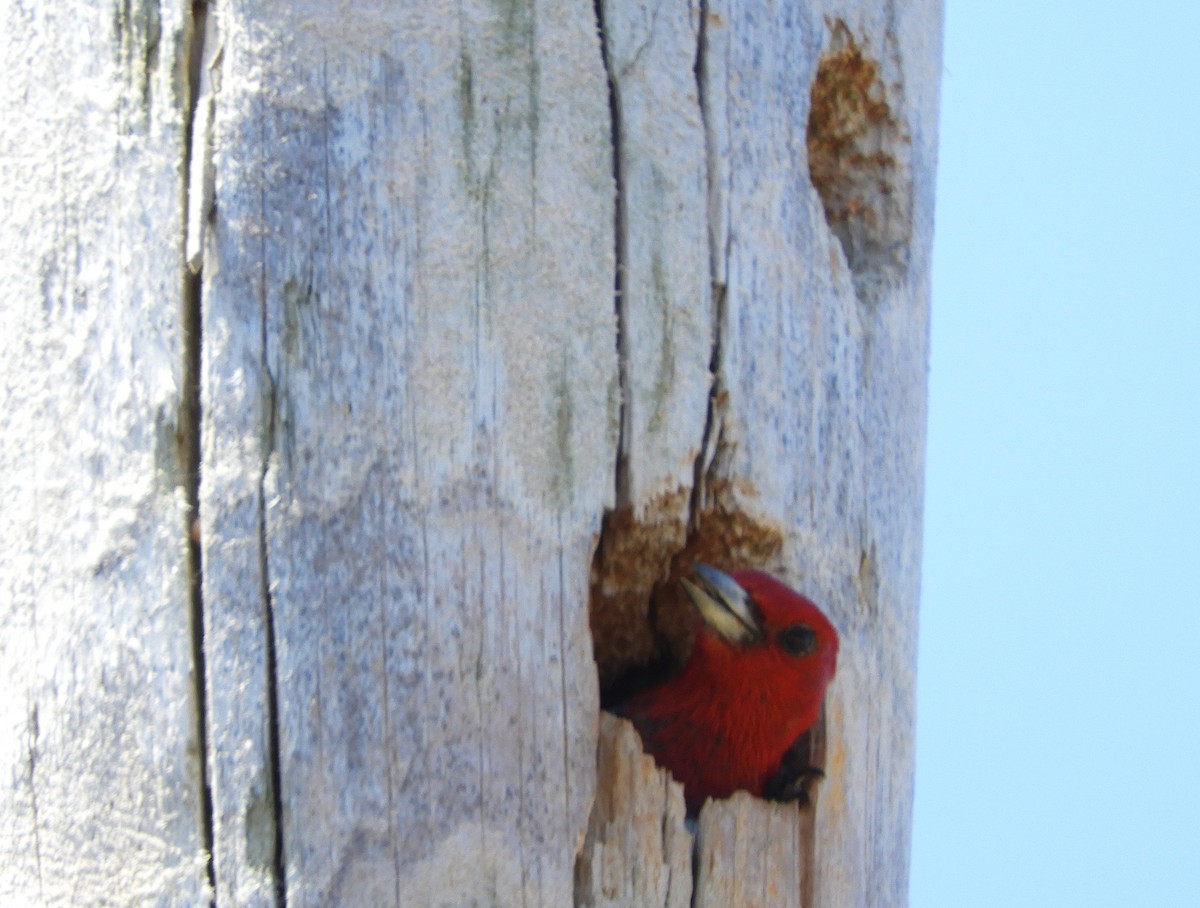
(751, 854)
(821, 334)
(98, 736)
(638, 849)
(418, 402)
(666, 303)
(411, 411)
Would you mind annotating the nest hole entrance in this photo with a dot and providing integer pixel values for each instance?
(859, 162)
(642, 622)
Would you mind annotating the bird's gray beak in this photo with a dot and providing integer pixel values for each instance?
(724, 606)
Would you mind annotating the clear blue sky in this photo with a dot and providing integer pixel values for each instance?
(1058, 753)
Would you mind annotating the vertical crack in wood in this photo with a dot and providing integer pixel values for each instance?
(568, 790)
(271, 667)
(34, 732)
(195, 563)
(712, 417)
(620, 241)
(270, 647)
(189, 452)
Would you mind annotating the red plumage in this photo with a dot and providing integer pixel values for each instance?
(755, 682)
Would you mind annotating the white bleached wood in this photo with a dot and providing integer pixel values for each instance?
(411, 410)
(638, 850)
(101, 800)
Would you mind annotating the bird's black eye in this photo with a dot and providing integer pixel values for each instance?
(798, 640)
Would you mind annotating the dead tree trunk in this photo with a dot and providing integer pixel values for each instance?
(325, 431)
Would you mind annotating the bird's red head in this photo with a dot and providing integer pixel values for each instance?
(758, 630)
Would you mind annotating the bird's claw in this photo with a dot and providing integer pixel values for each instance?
(794, 786)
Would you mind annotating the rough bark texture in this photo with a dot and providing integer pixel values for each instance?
(376, 246)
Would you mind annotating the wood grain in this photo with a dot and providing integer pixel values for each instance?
(411, 419)
(472, 275)
(638, 849)
(817, 431)
(98, 718)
